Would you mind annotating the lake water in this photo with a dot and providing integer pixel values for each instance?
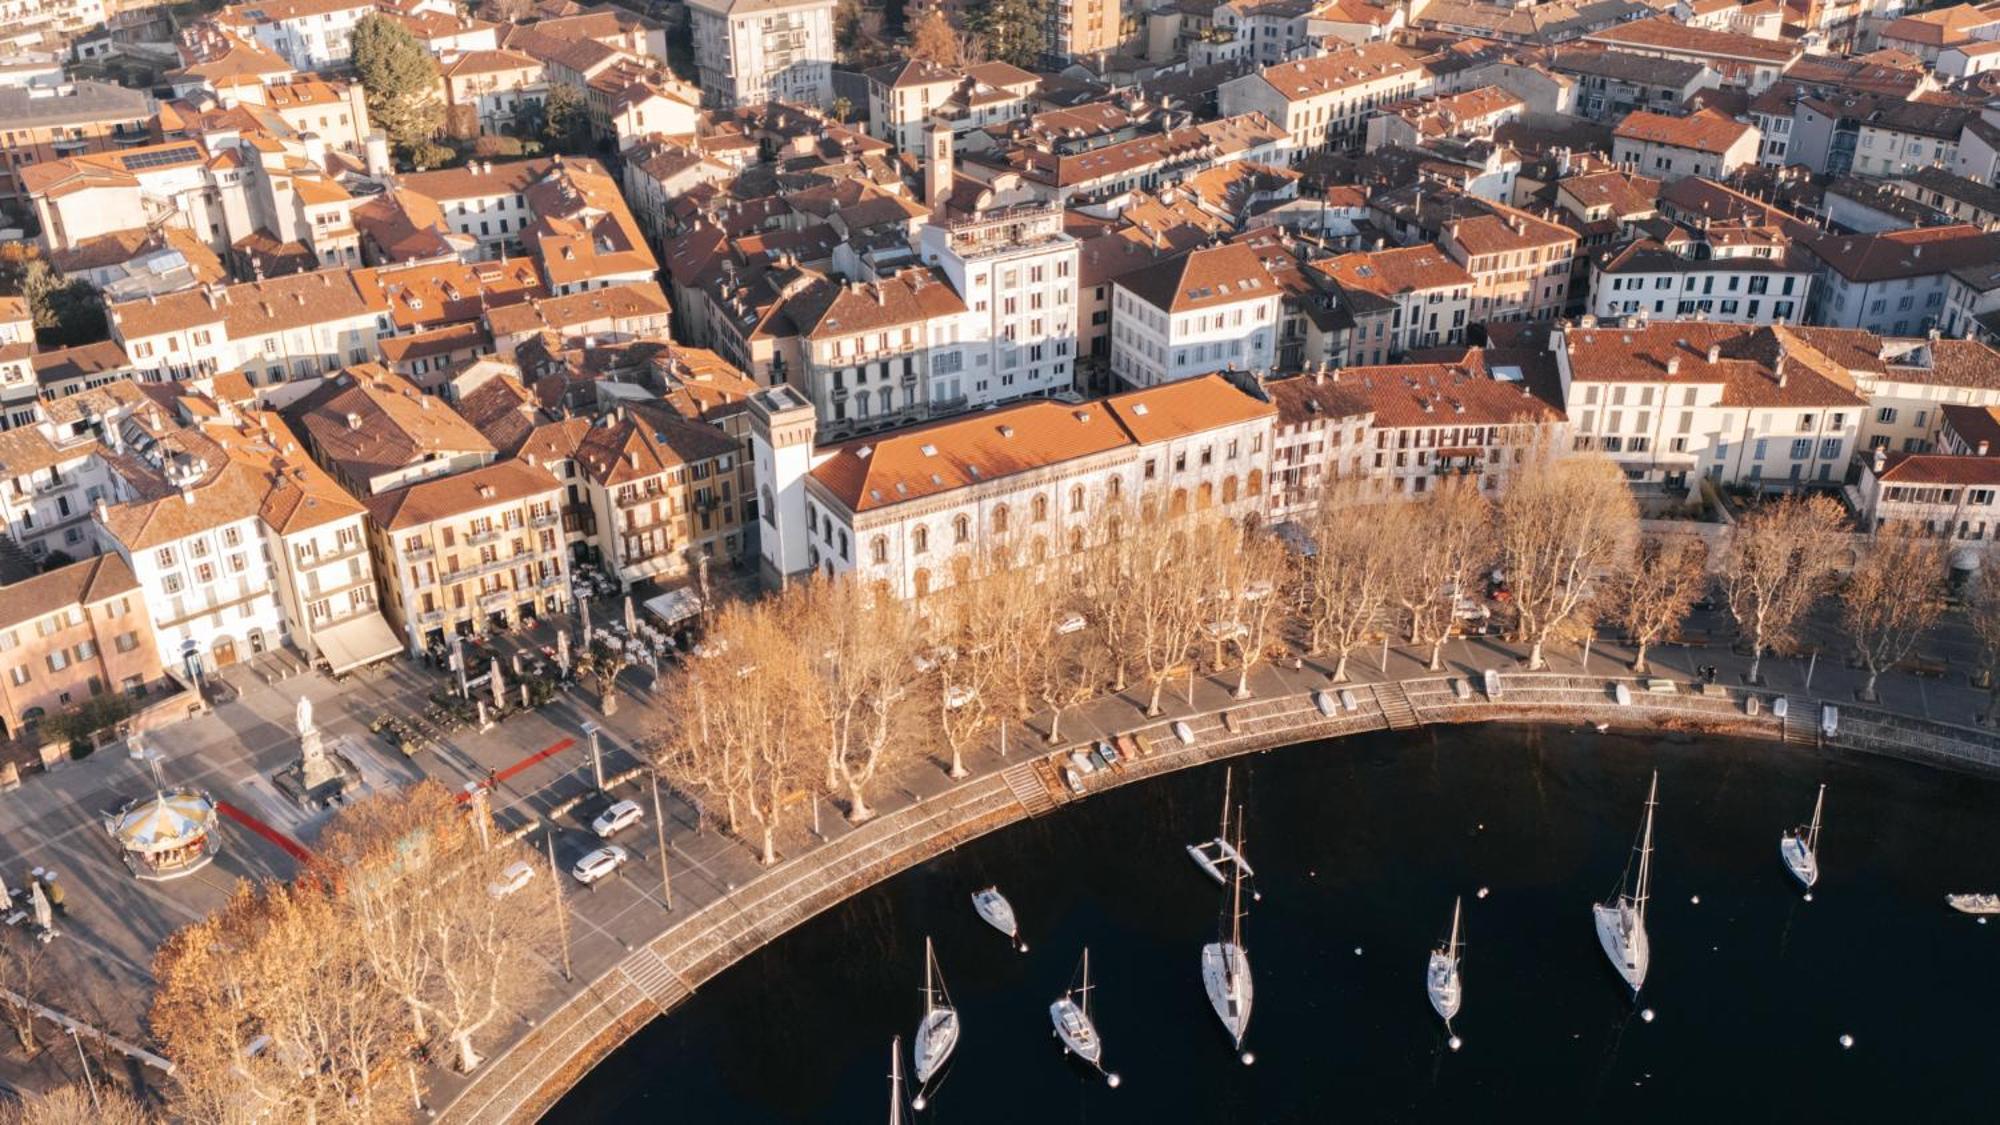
(1361, 844)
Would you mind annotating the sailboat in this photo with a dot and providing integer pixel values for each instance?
(1071, 1016)
(999, 914)
(896, 1081)
(1800, 847)
(1213, 855)
(1621, 920)
(1225, 966)
(1442, 978)
(937, 1033)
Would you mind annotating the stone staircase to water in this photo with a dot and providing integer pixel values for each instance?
(1395, 705)
(1801, 722)
(1027, 787)
(655, 981)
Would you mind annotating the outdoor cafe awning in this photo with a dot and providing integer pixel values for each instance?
(674, 606)
(357, 641)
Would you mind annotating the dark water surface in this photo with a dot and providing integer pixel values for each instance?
(1362, 843)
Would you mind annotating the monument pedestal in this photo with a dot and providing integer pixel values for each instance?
(321, 777)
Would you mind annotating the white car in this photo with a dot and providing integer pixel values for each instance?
(512, 878)
(617, 818)
(599, 863)
(1071, 623)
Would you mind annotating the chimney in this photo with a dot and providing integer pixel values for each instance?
(1982, 447)
(1673, 365)
(1714, 352)
(1881, 460)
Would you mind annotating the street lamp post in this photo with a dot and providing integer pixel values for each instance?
(660, 827)
(562, 914)
(85, 1060)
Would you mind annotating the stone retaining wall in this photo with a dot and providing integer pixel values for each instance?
(523, 1081)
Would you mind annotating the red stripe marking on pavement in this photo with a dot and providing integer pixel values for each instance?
(290, 846)
(524, 763)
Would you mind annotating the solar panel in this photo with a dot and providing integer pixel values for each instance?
(160, 157)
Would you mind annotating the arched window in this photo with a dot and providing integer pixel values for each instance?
(843, 546)
(920, 540)
(961, 570)
(1229, 489)
(1204, 497)
(1076, 498)
(1255, 484)
(1114, 488)
(1178, 506)
(921, 582)
(1041, 550)
(1041, 508)
(1075, 540)
(961, 529)
(1115, 529)
(1000, 519)
(878, 551)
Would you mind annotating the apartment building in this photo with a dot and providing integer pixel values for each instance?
(494, 88)
(43, 123)
(749, 52)
(471, 552)
(1952, 497)
(920, 509)
(1612, 84)
(904, 96)
(663, 494)
(308, 34)
(1520, 264)
(1913, 384)
(1325, 101)
(1740, 273)
(1199, 312)
(374, 431)
(1743, 61)
(1428, 291)
(70, 634)
(868, 350)
(1015, 270)
(1704, 143)
(282, 329)
(1894, 283)
(1675, 402)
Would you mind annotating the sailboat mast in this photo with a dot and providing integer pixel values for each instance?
(1083, 994)
(1646, 848)
(929, 995)
(1228, 776)
(896, 1080)
(1236, 884)
(1812, 837)
(1457, 905)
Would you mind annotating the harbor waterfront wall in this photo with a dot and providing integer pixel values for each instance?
(521, 1082)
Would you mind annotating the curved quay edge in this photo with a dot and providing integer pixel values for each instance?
(521, 1082)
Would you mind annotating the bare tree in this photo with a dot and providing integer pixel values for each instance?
(1168, 587)
(1447, 543)
(1894, 595)
(1251, 571)
(1106, 599)
(963, 668)
(1346, 581)
(1566, 522)
(1067, 663)
(1982, 612)
(1667, 575)
(1781, 561)
(72, 1105)
(869, 640)
(24, 972)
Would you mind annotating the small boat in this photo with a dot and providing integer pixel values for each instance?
(896, 1081)
(1225, 967)
(1214, 855)
(999, 914)
(1442, 979)
(1800, 846)
(937, 1032)
(1974, 904)
(1071, 1015)
(1621, 919)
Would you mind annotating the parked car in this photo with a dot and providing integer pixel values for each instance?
(599, 864)
(617, 818)
(1071, 623)
(512, 878)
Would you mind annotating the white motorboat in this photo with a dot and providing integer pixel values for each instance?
(1974, 904)
(1071, 1015)
(1442, 978)
(1800, 846)
(1219, 856)
(1621, 920)
(937, 1032)
(1225, 967)
(999, 914)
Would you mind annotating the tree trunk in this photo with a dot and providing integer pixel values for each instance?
(958, 762)
(1339, 668)
(608, 702)
(1243, 682)
(1153, 706)
(1055, 726)
(1639, 661)
(770, 856)
(1868, 689)
(1535, 662)
(1437, 654)
(857, 805)
(1756, 663)
(468, 1059)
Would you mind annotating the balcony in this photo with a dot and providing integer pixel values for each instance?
(498, 600)
(481, 538)
(313, 559)
(547, 519)
(434, 617)
(420, 555)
